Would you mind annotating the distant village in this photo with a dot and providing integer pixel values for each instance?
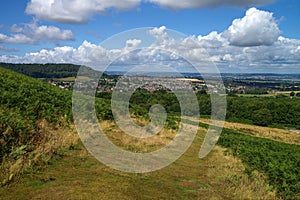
(233, 85)
(150, 84)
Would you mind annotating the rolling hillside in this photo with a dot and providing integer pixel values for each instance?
(44, 70)
(40, 152)
(32, 114)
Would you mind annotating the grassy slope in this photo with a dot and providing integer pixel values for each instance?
(76, 175)
(80, 176)
(271, 155)
(34, 120)
(44, 70)
(276, 134)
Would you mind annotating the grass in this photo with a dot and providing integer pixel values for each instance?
(67, 79)
(72, 79)
(53, 139)
(276, 159)
(75, 174)
(276, 134)
(286, 93)
(135, 144)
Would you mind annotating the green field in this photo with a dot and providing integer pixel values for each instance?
(278, 93)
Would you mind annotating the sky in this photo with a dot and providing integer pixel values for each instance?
(250, 36)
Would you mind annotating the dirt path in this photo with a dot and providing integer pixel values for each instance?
(75, 174)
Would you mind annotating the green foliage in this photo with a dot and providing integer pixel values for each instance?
(257, 91)
(263, 111)
(16, 152)
(262, 117)
(44, 70)
(53, 71)
(24, 102)
(34, 99)
(279, 161)
(292, 94)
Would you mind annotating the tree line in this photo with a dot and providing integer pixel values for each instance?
(263, 111)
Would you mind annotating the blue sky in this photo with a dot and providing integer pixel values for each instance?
(36, 30)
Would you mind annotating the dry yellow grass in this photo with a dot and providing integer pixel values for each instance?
(227, 174)
(128, 142)
(135, 144)
(264, 132)
(80, 176)
(223, 173)
(51, 139)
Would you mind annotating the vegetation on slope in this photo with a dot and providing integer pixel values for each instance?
(65, 72)
(279, 161)
(263, 111)
(31, 111)
(32, 114)
(80, 176)
(24, 102)
(44, 70)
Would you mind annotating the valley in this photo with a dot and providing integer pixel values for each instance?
(42, 155)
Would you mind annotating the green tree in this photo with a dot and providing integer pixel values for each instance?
(262, 117)
(292, 94)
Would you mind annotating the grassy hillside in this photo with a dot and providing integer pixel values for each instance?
(36, 126)
(35, 121)
(44, 70)
(24, 101)
(63, 72)
(80, 176)
(278, 160)
(31, 112)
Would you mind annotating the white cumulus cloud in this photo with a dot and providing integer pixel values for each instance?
(75, 11)
(207, 3)
(80, 11)
(16, 38)
(32, 34)
(229, 52)
(256, 28)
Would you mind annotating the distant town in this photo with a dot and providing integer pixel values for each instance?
(235, 84)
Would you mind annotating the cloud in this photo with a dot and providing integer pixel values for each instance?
(284, 51)
(33, 34)
(86, 54)
(132, 44)
(16, 39)
(79, 11)
(255, 29)
(250, 44)
(5, 49)
(187, 4)
(75, 11)
(212, 40)
(280, 55)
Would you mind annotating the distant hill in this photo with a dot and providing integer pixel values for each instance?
(50, 70)
(44, 70)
